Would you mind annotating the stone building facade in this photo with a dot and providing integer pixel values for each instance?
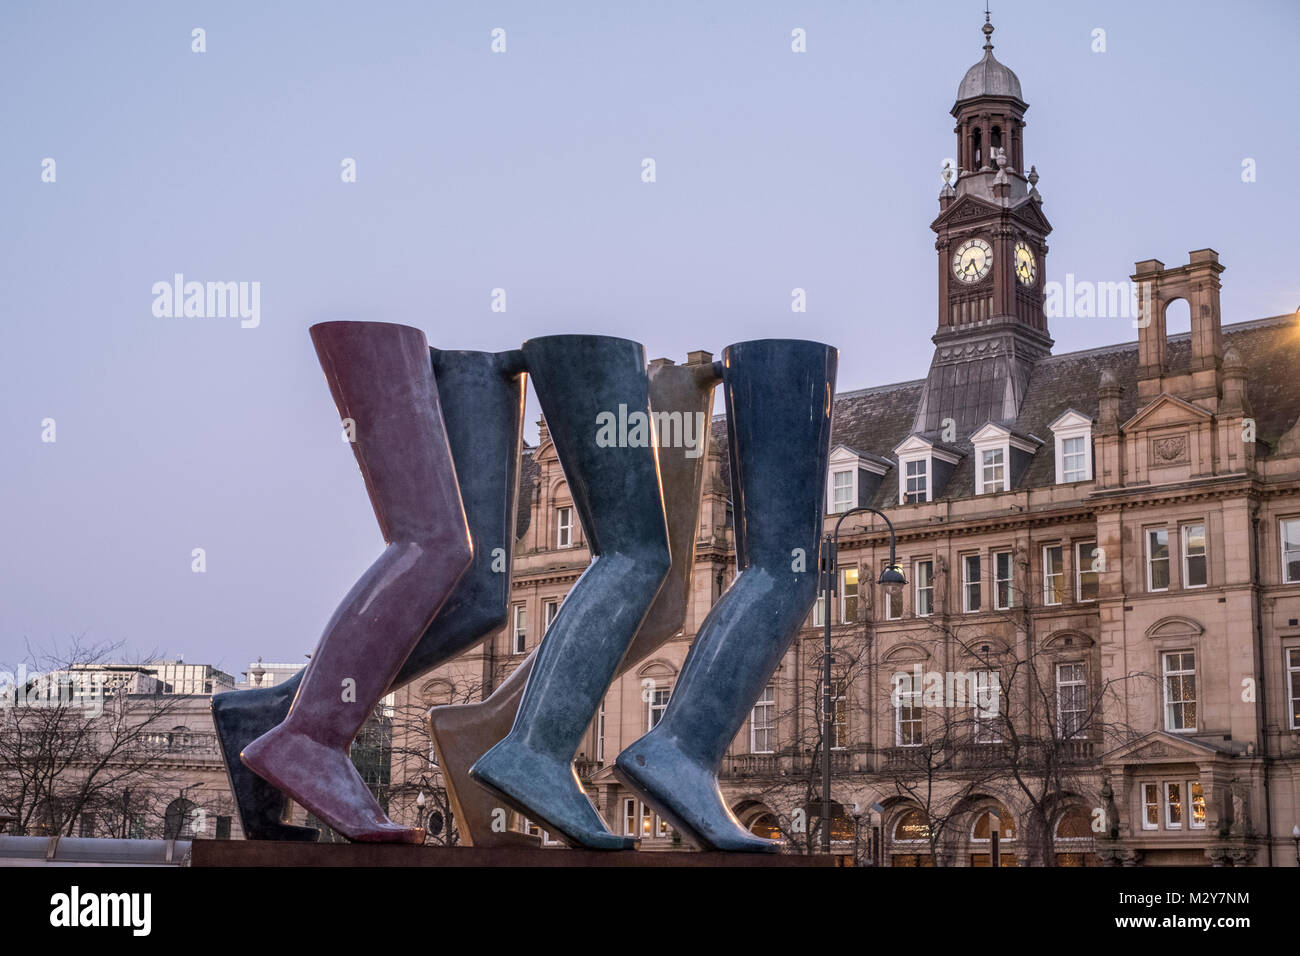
(1097, 657)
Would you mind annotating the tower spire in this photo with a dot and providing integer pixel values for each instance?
(987, 29)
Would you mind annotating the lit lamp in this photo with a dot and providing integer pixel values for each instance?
(893, 581)
(419, 811)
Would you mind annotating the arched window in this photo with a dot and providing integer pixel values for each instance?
(995, 138)
(983, 826)
(977, 149)
(981, 835)
(911, 826)
(911, 840)
(766, 825)
(1074, 838)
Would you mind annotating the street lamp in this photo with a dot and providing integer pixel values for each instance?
(893, 581)
(419, 815)
(1295, 837)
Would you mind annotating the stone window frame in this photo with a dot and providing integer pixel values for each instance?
(1184, 557)
(1147, 560)
(564, 536)
(917, 589)
(1064, 589)
(1281, 545)
(769, 724)
(519, 628)
(1179, 647)
(966, 583)
(1291, 668)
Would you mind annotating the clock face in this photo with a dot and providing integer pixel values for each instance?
(1026, 265)
(973, 260)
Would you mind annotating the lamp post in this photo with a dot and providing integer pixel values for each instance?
(892, 579)
(1295, 837)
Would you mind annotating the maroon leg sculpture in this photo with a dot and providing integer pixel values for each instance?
(381, 379)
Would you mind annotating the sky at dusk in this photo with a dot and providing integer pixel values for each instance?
(522, 171)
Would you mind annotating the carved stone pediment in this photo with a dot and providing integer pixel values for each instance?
(1160, 747)
(963, 210)
(1166, 411)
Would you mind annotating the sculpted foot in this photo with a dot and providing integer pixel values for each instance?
(461, 733)
(686, 794)
(547, 792)
(324, 780)
(240, 717)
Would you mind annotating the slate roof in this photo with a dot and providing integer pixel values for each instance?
(876, 420)
(529, 472)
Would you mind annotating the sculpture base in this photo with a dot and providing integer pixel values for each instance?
(220, 853)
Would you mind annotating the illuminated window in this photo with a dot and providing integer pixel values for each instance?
(1150, 806)
(848, 595)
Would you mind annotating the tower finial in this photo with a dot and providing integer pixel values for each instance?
(987, 29)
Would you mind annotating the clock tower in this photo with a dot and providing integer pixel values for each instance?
(991, 241)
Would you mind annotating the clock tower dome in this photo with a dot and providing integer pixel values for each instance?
(991, 240)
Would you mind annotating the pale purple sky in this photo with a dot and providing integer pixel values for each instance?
(521, 170)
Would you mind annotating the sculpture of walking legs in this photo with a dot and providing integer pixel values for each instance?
(381, 380)
(778, 395)
(462, 733)
(481, 395)
(584, 383)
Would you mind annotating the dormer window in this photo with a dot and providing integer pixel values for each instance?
(918, 488)
(1001, 457)
(842, 497)
(993, 470)
(852, 478)
(923, 469)
(1073, 433)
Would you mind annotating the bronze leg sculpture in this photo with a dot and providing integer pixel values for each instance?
(462, 733)
(778, 395)
(481, 395)
(381, 379)
(580, 380)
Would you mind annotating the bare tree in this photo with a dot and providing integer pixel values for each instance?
(76, 741)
